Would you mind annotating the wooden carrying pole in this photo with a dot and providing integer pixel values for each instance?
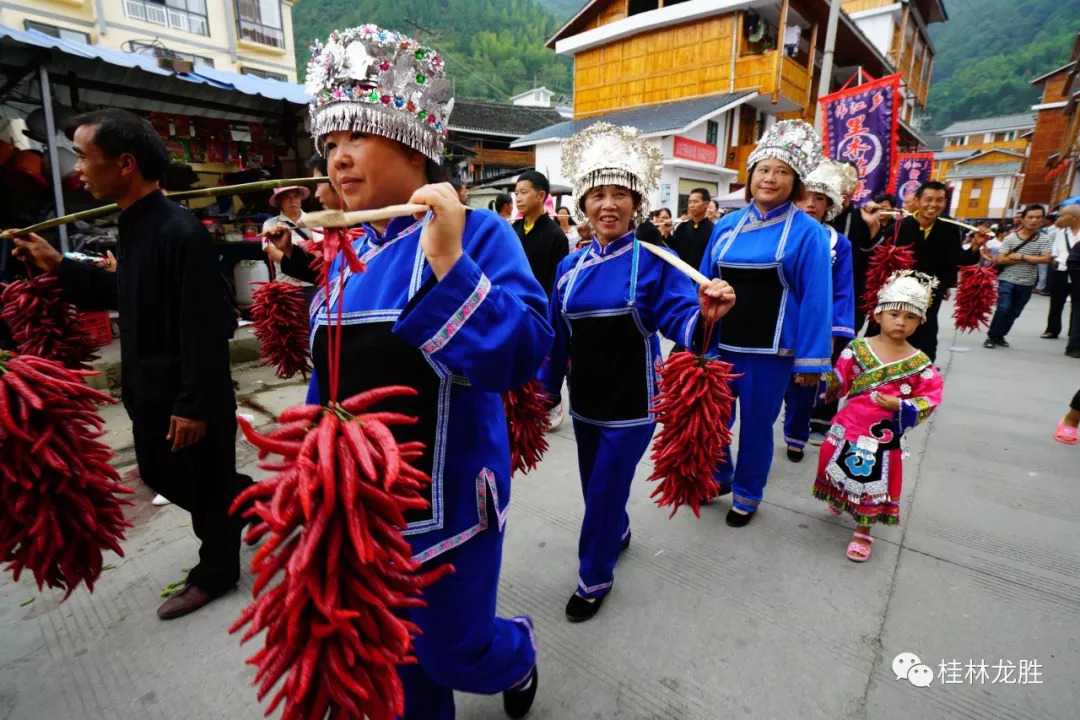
(677, 262)
(185, 194)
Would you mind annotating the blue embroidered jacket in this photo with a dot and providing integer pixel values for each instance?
(460, 341)
(779, 266)
(606, 308)
(843, 285)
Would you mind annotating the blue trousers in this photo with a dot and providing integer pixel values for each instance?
(1011, 301)
(607, 459)
(464, 646)
(759, 396)
(798, 405)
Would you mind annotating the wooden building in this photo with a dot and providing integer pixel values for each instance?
(1050, 173)
(704, 78)
(479, 136)
(983, 161)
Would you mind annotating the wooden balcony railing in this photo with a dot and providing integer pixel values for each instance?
(503, 158)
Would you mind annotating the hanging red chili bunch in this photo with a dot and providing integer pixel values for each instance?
(44, 325)
(976, 294)
(59, 508)
(331, 522)
(886, 259)
(694, 409)
(526, 423)
(280, 315)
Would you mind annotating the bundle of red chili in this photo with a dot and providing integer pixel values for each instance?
(526, 423)
(331, 522)
(976, 294)
(281, 326)
(58, 494)
(694, 409)
(44, 325)
(886, 259)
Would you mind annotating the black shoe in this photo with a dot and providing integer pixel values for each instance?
(1002, 342)
(625, 543)
(794, 454)
(738, 519)
(990, 343)
(1074, 353)
(518, 701)
(579, 609)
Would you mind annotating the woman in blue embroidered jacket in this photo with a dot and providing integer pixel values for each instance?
(804, 410)
(777, 259)
(449, 306)
(610, 299)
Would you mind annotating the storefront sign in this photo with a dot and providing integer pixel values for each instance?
(688, 149)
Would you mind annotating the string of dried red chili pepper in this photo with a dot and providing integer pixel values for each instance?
(526, 423)
(59, 508)
(330, 524)
(976, 294)
(693, 408)
(44, 325)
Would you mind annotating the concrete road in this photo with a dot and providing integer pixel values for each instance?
(704, 621)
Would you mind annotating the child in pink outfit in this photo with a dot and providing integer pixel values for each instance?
(890, 387)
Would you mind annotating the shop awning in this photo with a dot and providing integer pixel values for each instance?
(103, 76)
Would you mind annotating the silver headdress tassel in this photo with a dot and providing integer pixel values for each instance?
(367, 79)
(827, 179)
(607, 155)
(791, 141)
(907, 290)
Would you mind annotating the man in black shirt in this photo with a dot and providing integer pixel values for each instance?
(544, 241)
(939, 251)
(175, 322)
(691, 237)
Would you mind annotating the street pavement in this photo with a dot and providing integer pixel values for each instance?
(704, 621)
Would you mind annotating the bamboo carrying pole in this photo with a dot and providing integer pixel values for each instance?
(678, 263)
(905, 213)
(182, 195)
(337, 218)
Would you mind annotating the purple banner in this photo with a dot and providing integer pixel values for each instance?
(861, 127)
(912, 170)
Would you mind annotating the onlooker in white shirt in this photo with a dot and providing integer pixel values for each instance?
(1066, 235)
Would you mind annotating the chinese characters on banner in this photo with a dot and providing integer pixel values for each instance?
(861, 127)
(912, 170)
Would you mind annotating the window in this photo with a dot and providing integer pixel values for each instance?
(264, 74)
(1011, 135)
(185, 15)
(260, 21)
(999, 137)
(712, 130)
(195, 59)
(639, 6)
(58, 32)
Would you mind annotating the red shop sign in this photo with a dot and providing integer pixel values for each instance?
(688, 149)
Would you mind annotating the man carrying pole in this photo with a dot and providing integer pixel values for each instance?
(175, 320)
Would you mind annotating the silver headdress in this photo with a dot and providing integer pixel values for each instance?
(791, 141)
(907, 290)
(377, 81)
(850, 177)
(607, 155)
(827, 179)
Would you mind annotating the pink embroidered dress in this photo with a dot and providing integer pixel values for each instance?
(860, 470)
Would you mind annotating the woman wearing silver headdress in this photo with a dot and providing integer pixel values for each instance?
(609, 301)
(777, 259)
(448, 306)
(804, 410)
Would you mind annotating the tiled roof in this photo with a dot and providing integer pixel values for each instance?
(993, 124)
(954, 154)
(649, 119)
(486, 116)
(982, 171)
